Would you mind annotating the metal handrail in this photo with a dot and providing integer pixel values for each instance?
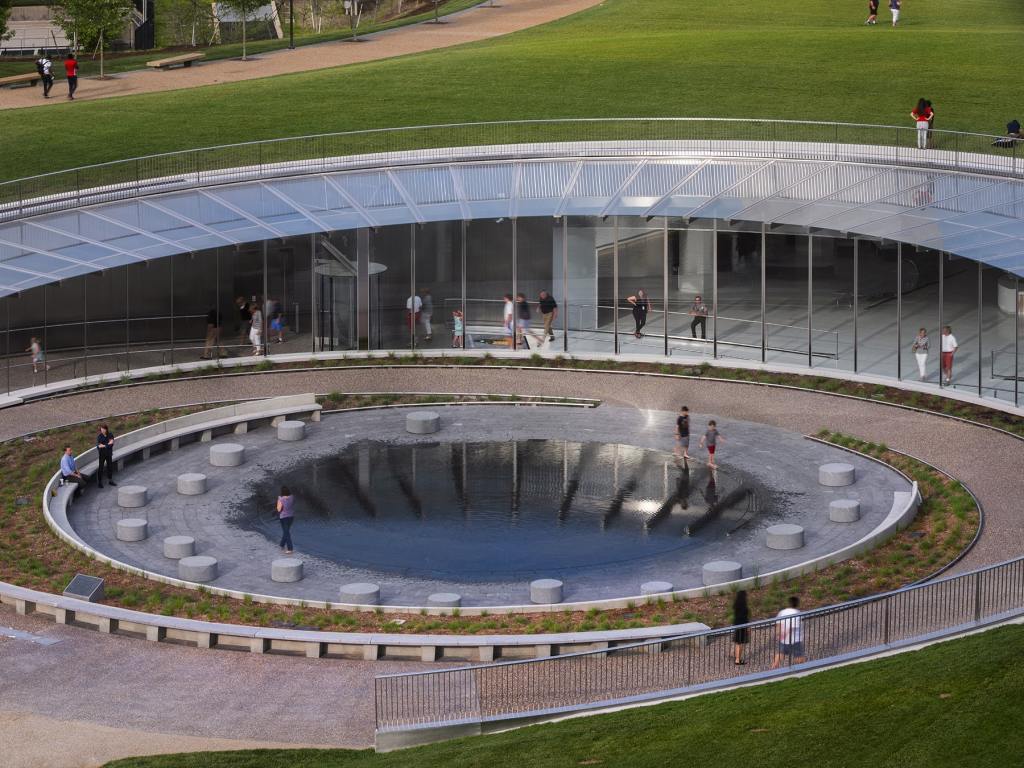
(306, 154)
(629, 672)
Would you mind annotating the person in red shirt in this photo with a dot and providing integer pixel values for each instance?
(71, 69)
(922, 115)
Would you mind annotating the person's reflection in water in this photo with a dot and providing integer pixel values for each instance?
(711, 491)
(682, 494)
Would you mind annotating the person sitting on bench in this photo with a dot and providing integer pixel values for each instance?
(1013, 135)
(69, 471)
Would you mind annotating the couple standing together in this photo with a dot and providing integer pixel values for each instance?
(948, 347)
(641, 305)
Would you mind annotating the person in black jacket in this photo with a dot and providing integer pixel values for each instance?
(105, 451)
(740, 616)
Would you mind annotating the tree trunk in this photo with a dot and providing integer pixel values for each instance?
(243, 34)
(101, 55)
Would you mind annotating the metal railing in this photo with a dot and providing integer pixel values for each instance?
(580, 137)
(662, 668)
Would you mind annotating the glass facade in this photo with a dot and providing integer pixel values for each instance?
(615, 285)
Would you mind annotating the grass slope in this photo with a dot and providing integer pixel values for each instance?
(732, 58)
(954, 704)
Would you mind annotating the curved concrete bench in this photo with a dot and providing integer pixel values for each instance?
(836, 475)
(655, 587)
(546, 591)
(197, 568)
(785, 536)
(227, 455)
(360, 593)
(445, 600)
(286, 570)
(291, 431)
(422, 422)
(132, 496)
(177, 547)
(844, 511)
(132, 529)
(191, 484)
(719, 571)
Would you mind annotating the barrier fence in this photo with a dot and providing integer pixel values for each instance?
(651, 670)
(784, 139)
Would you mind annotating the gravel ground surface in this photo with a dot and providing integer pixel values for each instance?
(466, 27)
(133, 686)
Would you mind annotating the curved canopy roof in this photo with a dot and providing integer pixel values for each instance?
(976, 215)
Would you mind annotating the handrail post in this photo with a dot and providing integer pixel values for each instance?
(885, 632)
(977, 596)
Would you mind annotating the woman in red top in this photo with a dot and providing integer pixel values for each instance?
(71, 69)
(922, 115)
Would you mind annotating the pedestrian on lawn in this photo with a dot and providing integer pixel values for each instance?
(894, 8)
(872, 12)
(71, 71)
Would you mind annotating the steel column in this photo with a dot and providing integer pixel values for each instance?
(615, 284)
(810, 299)
(412, 287)
(942, 314)
(515, 285)
(980, 343)
(714, 289)
(464, 229)
(664, 278)
(1016, 342)
(565, 283)
(263, 305)
(899, 311)
(856, 297)
(764, 327)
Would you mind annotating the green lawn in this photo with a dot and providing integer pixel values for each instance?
(735, 58)
(954, 704)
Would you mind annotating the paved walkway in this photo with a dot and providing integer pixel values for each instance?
(328, 702)
(478, 23)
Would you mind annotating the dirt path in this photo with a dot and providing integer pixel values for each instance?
(478, 23)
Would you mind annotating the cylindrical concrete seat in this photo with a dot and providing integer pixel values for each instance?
(721, 571)
(291, 431)
(177, 547)
(844, 511)
(785, 536)
(422, 422)
(655, 587)
(444, 600)
(132, 496)
(360, 594)
(197, 568)
(286, 569)
(191, 484)
(545, 591)
(132, 529)
(836, 474)
(227, 455)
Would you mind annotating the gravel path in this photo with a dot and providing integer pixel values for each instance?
(328, 702)
(479, 23)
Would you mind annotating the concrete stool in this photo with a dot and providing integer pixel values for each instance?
(836, 475)
(227, 455)
(197, 568)
(844, 511)
(422, 422)
(545, 591)
(286, 569)
(132, 496)
(360, 594)
(177, 547)
(191, 484)
(721, 571)
(655, 587)
(785, 536)
(291, 431)
(445, 600)
(132, 529)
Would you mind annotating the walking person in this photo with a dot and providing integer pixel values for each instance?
(45, 69)
(549, 311)
(413, 307)
(710, 440)
(256, 329)
(71, 71)
(244, 319)
(922, 114)
(523, 322)
(641, 306)
(105, 451)
(35, 348)
(920, 349)
(212, 345)
(69, 471)
(948, 349)
(894, 9)
(872, 12)
(791, 635)
(699, 312)
(458, 329)
(741, 634)
(683, 432)
(427, 313)
(286, 516)
(508, 317)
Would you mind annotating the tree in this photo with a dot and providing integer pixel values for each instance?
(93, 22)
(5, 11)
(244, 9)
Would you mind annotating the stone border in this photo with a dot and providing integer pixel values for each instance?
(903, 509)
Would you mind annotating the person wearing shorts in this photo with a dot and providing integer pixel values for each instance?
(710, 441)
(683, 432)
(872, 12)
(791, 635)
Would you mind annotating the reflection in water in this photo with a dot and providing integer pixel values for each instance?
(487, 509)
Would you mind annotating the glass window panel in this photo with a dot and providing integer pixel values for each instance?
(641, 293)
(999, 327)
(27, 323)
(199, 316)
(877, 305)
(288, 295)
(240, 275)
(920, 298)
(107, 327)
(150, 313)
(960, 313)
(489, 279)
(538, 268)
(589, 302)
(65, 328)
(786, 303)
(336, 268)
(832, 319)
(691, 286)
(739, 291)
(393, 312)
(439, 283)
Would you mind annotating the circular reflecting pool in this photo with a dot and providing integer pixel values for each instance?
(488, 511)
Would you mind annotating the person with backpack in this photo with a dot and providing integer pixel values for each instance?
(71, 71)
(45, 69)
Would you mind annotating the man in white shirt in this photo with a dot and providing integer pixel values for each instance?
(791, 635)
(949, 346)
(508, 317)
(413, 307)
